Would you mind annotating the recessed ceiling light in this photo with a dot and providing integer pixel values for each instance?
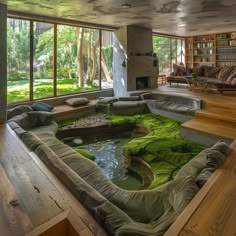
(125, 5)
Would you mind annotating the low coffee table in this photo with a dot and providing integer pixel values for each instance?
(196, 84)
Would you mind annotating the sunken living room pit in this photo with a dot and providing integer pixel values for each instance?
(117, 210)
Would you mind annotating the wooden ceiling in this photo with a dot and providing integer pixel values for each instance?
(181, 17)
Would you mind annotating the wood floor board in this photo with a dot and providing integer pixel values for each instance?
(215, 116)
(37, 195)
(13, 219)
(216, 128)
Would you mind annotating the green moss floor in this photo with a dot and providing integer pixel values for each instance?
(162, 148)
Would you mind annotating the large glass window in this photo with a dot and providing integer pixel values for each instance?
(88, 58)
(64, 59)
(77, 59)
(43, 60)
(18, 60)
(169, 51)
(67, 66)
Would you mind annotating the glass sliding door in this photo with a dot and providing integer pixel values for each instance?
(18, 60)
(107, 59)
(43, 51)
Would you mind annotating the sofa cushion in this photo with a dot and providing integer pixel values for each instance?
(233, 81)
(130, 98)
(211, 72)
(41, 106)
(18, 110)
(199, 70)
(232, 75)
(179, 70)
(77, 101)
(222, 147)
(39, 118)
(224, 73)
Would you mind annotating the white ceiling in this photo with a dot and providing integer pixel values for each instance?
(181, 17)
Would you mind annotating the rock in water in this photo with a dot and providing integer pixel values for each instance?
(77, 141)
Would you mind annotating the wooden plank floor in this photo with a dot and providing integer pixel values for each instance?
(30, 195)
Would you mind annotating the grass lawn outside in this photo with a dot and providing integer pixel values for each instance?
(18, 91)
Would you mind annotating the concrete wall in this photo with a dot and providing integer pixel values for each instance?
(133, 58)
(3, 62)
(119, 62)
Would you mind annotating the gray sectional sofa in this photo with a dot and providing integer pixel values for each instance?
(120, 212)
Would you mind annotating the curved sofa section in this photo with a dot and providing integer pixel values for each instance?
(120, 212)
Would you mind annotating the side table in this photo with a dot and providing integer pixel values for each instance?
(196, 84)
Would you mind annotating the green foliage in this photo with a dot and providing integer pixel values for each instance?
(107, 53)
(18, 51)
(163, 147)
(85, 153)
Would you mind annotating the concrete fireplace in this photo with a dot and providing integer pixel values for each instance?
(134, 65)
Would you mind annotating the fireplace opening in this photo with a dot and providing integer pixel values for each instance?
(142, 82)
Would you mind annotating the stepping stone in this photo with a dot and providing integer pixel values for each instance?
(77, 141)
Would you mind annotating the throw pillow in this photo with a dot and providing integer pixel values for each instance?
(232, 75)
(179, 70)
(18, 110)
(233, 81)
(199, 70)
(211, 72)
(41, 106)
(77, 101)
(39, 118)
(222, 147)
(224, 73)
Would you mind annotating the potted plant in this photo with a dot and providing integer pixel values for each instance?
(194, 76)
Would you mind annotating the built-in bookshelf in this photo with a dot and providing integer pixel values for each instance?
(200, 50)
(212, 50)
(226, 49)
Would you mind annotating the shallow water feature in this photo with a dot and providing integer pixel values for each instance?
(109, 157)
(105, 143)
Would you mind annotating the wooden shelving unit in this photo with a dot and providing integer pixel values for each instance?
(212, 50)
(201, 49)
(225, 49)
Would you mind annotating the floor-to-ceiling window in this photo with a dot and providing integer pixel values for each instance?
(169, 51)
(43, 51)
(50, 59)
(18, 60)
(107, 59)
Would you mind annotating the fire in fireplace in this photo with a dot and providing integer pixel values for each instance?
(142, 82)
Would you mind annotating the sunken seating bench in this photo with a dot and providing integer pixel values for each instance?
(120, 212)
(176, 106)
(219, 78)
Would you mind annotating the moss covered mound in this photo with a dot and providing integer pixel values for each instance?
(163, 148)
(85, 153)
